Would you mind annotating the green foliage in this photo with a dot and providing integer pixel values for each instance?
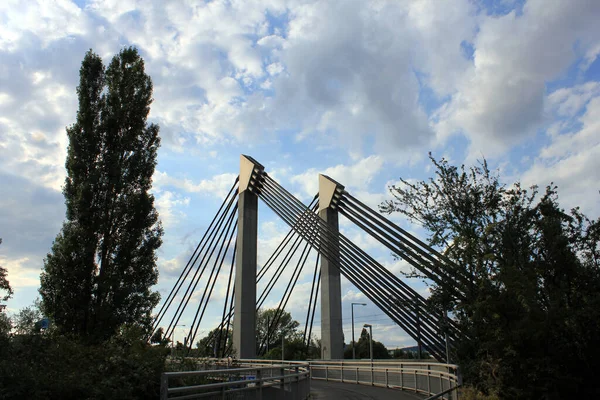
(410, 354)
(103, 263)
(58, 367)
(286, 326)
(28, 319)
(295, 349)
(470, 393)
(207, 346)
(380, 352)
(4, 284)
(5, 328)
(532, 310)
(158, 337)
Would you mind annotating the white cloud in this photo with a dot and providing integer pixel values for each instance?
(500, 98)
(20, 273)
(350, 77)
(572, 159)
(357, 176)
(168, 205)
(218, 185)
(440, 30)
(568, 101)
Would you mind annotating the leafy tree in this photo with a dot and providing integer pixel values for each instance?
(380, 352)
(286, 326)
(207, 346)
(4, 284)
(531, 312)
(102, 264)
(295, 348)
(403, 354)
(27, 319)
(158, 338)
(5, 326)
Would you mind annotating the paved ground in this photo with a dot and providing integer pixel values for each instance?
(322, 390)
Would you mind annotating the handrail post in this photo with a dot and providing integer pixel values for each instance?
(416, 383)
(259, 383)
(401, 377)
(429, 379)
(282, 374)
(296, 389)
(164, 386)
(387, 382)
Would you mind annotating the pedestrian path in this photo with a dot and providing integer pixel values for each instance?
(322, 390)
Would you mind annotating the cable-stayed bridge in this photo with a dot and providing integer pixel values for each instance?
(229, 248)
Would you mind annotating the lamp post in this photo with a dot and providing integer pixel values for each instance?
(370, 340)
(353, 342)
(173, 334)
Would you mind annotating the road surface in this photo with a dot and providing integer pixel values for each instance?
(322, 390)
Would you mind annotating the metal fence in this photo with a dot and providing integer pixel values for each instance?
(421, 377)
(253, 380)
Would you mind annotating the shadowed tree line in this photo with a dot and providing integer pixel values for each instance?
(286, 327)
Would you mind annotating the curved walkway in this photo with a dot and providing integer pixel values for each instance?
(322, 390)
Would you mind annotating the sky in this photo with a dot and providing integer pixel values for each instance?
(358, 90)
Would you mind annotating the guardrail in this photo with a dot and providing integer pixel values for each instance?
(260, 380)
(432, 379)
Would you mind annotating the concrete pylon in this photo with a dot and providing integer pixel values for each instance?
(244, 319)
(332, 336)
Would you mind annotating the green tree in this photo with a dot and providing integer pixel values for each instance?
(380, 352)
(102, 264)
(531, 312)
(208, 345)
(4, 284)
(5, 326)
(27, 319)
(286, 326)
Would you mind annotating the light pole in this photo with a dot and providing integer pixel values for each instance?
(370, 340)
(173, 334)
(353, 342)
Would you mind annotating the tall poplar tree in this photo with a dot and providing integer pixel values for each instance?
(102, 266)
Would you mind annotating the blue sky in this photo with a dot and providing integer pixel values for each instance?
(360, 90)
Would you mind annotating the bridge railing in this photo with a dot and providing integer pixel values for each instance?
(252, 380)
(421, 377)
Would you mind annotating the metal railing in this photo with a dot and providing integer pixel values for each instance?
(253, 379)
(432, 379)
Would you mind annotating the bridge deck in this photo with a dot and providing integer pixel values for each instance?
(322, 390)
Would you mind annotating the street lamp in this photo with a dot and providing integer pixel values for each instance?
(353, 342)
(370, 340)
(173, 334)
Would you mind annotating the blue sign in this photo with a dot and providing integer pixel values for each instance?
(44, 323)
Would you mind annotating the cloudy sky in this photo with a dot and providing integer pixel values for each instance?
(359, 90)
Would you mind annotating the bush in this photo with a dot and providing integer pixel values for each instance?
(470, 393)
(58, 367)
